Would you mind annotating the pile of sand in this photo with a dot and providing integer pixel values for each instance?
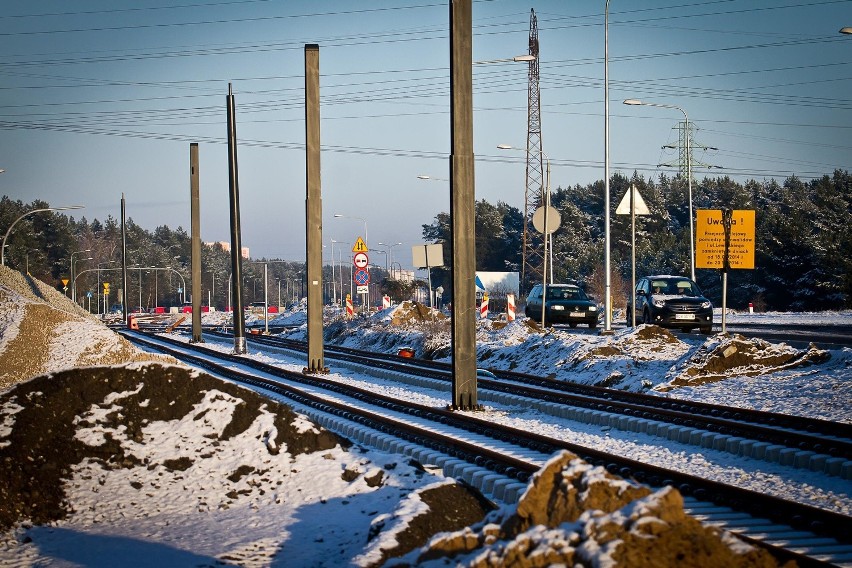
(735, 355)
(42, 331)
(572, 514)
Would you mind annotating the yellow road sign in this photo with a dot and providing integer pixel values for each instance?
(360, 246)
(65, 282)
(710, 239)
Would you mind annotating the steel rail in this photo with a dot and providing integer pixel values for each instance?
(780, 511)
(820, 436)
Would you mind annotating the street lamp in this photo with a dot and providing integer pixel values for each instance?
(389, 257)
(847, 30)
(73, 283)
(9, 230)
(635, 102)
(99, 285)
(339, 216)
(607, 237)
(28, 256)
(515, 59)
(333, 281)
(546, 232)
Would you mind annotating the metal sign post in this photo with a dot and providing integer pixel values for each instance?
(361, 276)
(633, 204)
(725, 240)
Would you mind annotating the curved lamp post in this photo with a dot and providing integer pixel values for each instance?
(9, 230)
(634, 102)
(389, 256)
(73, 279)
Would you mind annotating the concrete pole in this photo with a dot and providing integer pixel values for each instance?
(236, 243)
(123, 262)
(607, 236)
(195, 207)
(462, 206)
(313, 211)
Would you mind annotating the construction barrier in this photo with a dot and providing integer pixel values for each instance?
(510, 307)
(131, 320)
(350, 310)
(386, 302)
(483, 307)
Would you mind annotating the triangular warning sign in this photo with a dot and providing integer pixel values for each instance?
(65, 282)
(639, 206)
(360, 246)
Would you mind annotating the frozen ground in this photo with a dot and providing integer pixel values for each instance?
(302, 509)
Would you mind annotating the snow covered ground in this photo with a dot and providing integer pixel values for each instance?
(318, 518)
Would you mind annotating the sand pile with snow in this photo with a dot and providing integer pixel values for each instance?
(408, 312)
(734, 355)
(163, 466)
(574, 514)
(42, 331)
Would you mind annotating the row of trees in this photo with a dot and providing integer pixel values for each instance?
(803, 247)
(159, 270)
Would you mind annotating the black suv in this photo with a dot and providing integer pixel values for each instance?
(671, 301)
(566, 303)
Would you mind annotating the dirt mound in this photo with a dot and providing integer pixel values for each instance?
(735, 355)
(42, 331)
(409, 312)
(41, 448)
(573, 511)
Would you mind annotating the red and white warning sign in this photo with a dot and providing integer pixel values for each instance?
(360, 260)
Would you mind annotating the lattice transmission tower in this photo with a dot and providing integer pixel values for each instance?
(686, 151)
(532, 255)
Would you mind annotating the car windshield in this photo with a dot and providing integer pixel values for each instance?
(674, 287)
(565, 294)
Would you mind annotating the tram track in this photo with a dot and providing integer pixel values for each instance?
(480, 450)
(816, 444)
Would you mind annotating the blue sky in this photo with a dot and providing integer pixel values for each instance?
(99, 98)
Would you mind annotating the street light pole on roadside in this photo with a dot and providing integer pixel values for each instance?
(390, 251)
(607, 237)
(333, 282)
(99, 285)
(545, 233)
(635, 102)
(73, 283)
(9, 230)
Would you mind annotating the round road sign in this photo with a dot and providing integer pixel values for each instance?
(361, 260)
(554, 219)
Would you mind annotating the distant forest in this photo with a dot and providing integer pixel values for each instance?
(803, 248)
(803, 258)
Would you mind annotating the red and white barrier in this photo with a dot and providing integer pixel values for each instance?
(483, 307)
(510, 307)
(385, 302)
(350, 310)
